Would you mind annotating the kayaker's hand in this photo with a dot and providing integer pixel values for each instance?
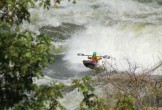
(89, 57)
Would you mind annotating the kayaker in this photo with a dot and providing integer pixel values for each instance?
(94, 58)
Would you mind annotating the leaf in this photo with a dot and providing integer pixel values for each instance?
(32, 3)
(51, 93)
(28, 54)
(6, 56)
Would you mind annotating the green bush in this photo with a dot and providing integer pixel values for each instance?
(23, 57)
(125, 102)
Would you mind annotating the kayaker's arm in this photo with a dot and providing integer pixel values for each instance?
(99, 58)
(89, 57)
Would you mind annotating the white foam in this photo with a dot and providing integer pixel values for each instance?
(119, 28)
(140, 44)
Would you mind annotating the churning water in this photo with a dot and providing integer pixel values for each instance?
(119, 28)
(123, 29)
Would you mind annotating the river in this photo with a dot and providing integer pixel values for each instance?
(123, 29)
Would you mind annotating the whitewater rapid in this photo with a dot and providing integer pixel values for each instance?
(139, 43)
(122, 29)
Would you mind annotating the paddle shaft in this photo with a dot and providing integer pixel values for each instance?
(105, 56)
(80, 54)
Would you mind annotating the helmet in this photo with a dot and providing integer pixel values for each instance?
(94, 53)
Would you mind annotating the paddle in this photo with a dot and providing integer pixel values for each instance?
(105, 56)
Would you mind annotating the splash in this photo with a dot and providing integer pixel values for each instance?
(119, 28)
(139, 43)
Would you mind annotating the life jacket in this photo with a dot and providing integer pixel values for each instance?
(94, 58)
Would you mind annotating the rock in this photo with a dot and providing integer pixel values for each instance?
(62, 32)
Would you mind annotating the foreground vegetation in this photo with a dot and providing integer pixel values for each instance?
(24, 55)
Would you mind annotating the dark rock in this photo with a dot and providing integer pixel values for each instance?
(95, 6)
(62, 32)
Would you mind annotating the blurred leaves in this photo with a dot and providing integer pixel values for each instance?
(23, 57)
(16, 11)
(84, 84)
(45, 98)
(90, 100)
(125, 102)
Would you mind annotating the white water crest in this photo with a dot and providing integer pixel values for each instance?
(139, 43)
(119, 28)
(123, 29)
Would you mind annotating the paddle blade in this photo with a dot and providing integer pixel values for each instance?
(80, 54)
(106, 56)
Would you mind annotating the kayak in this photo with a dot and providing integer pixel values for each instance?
(98, 67)
(90, 64)
(94, 66)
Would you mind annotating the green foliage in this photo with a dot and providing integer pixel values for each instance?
(44, 3)
(45, 98)
(125, 102)
(84, 84)
(15, 11)
(90, 101)
(23, 57)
